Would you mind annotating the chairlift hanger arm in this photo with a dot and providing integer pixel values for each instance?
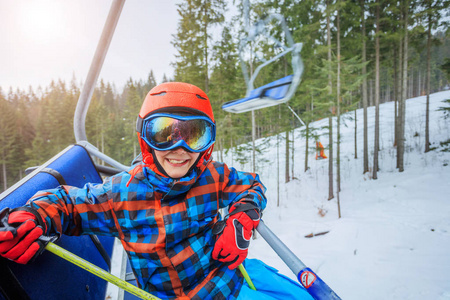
(260, 28)
(94, 70)
(279, 91)
(84, 100)
(295, 48)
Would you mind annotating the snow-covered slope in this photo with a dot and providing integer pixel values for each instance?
(393, 239)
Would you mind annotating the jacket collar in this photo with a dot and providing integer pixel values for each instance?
(164, 184)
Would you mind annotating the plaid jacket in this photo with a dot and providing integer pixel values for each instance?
(165, 225)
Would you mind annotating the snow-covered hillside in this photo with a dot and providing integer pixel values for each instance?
(393, 240)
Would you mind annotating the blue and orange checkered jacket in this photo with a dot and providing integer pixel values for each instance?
(165, 225)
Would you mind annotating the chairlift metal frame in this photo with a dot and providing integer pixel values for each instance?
(259, 98)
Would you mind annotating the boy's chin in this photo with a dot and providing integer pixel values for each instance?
(176, 174)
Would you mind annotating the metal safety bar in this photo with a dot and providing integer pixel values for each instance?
(315, 286)
(289, 258)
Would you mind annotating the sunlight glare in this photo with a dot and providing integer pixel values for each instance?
(42, 21)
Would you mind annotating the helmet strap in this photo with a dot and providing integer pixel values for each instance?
(158, 165)
(206, 155)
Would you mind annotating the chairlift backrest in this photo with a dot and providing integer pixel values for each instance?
(72, 166)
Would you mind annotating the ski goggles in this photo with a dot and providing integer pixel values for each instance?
(165, 132)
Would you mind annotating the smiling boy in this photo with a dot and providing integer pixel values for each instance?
(163, 209)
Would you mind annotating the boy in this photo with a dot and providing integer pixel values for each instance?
(163, 209)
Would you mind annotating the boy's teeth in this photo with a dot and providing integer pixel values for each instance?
(175, 161)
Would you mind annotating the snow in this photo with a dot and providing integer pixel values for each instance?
(393, 239)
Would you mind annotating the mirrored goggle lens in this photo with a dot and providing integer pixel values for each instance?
(164, 132)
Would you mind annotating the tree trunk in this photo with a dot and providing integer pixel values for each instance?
(395, 96)
(330, 159)
(5, 179)
(253, 124)
(404, 90)
(356, 134)
(287, 178)
(377, 92)
(330, 121)
(253, 142)
(306, 146)
(134, 148)
(387, 94)
(221, 149)
(419, 83)
(338, 103)
(364, 89)
(427, 113)
(278, 156)
(205, 36)
(338, 99)
(400, 96)
(231, 147)
(292, 153)
(103, 147)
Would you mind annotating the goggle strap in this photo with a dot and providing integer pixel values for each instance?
(139, 124)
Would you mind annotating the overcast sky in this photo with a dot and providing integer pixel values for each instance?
(44, 40)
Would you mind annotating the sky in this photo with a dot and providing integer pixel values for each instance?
(45, 40)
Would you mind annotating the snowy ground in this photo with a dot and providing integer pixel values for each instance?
(393, 239)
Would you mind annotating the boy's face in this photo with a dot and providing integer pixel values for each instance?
(176, 162)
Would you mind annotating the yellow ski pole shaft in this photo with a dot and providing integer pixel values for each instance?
(63, 253)
(247, 278)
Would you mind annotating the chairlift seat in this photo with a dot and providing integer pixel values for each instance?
(271, 94)
(49, 276)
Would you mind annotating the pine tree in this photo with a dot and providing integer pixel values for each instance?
(7, 139)
(130, 146)
(193, 39)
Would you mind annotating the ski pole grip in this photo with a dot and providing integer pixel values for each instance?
(315, 286)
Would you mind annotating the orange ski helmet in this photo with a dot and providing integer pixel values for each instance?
(173, 97)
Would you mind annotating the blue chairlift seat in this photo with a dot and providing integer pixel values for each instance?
(50, 277)
(267, 95)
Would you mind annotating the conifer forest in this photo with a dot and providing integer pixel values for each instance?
(356, 54)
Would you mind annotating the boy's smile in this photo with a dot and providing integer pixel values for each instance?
(176, 162)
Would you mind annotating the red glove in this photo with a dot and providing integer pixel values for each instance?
(19, 234)
(232, 245)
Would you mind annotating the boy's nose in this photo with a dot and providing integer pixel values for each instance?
(179, 150)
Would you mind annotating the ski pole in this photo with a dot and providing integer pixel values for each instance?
(315, 286)
(63, 253)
